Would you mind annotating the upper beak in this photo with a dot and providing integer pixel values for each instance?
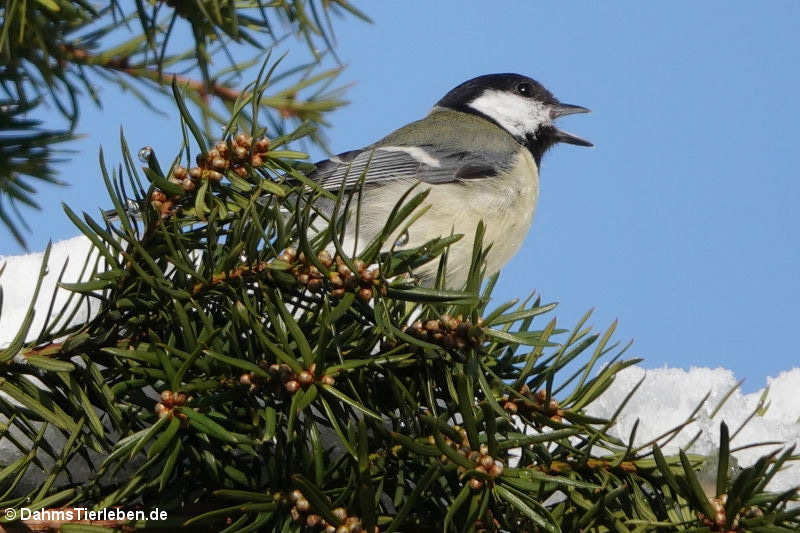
(561, 110)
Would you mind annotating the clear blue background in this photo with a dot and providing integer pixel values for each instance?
(683, 222)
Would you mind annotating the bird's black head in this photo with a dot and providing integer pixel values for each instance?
(519, 105)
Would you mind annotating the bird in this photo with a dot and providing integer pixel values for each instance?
(477, 152)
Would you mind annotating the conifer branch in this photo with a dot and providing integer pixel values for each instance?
(122, 64)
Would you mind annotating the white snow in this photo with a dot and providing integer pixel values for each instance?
(18, 282)
(669, 395)
(665, 399)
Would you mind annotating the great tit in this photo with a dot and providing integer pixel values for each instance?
(478, 151)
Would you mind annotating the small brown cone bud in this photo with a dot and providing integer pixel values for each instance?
(353, 524)
(295, 495)
(486, 461)
(256, 160)
(324, 257)
(167, 207)
(214, 175)
(212, 155)
(305, 378)
(365, 295)
(262, 145)
(246, 379)
(240, 152)
(340, 513)
(243, 139)
(484, 449)
(295, 514)
(195, 173)
(496, 470)
(188, 185)
(166, 397)
(475, 484)
(303, 506)
(511, 407)
(219, 163)
(337, 293)
(161, 410)
(359, 265)
(432, 325)
(180, 172)
(292, 386)
(315, 285)
(240, 171)
(313, 520)
(328, 380)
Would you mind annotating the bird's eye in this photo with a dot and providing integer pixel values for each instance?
(525, 89)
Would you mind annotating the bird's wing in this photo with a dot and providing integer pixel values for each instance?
(425, 163)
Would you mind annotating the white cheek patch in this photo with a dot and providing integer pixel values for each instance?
(416, 152)
(516, 114)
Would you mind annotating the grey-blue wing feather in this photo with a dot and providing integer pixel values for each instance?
(375, 165)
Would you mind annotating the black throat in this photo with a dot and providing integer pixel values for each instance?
(537, 144)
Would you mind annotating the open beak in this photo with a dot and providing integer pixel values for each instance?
(562, 110)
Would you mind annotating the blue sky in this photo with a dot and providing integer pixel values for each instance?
(683, 222)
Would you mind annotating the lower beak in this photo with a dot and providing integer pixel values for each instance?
(562, 136)
(562, 110)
